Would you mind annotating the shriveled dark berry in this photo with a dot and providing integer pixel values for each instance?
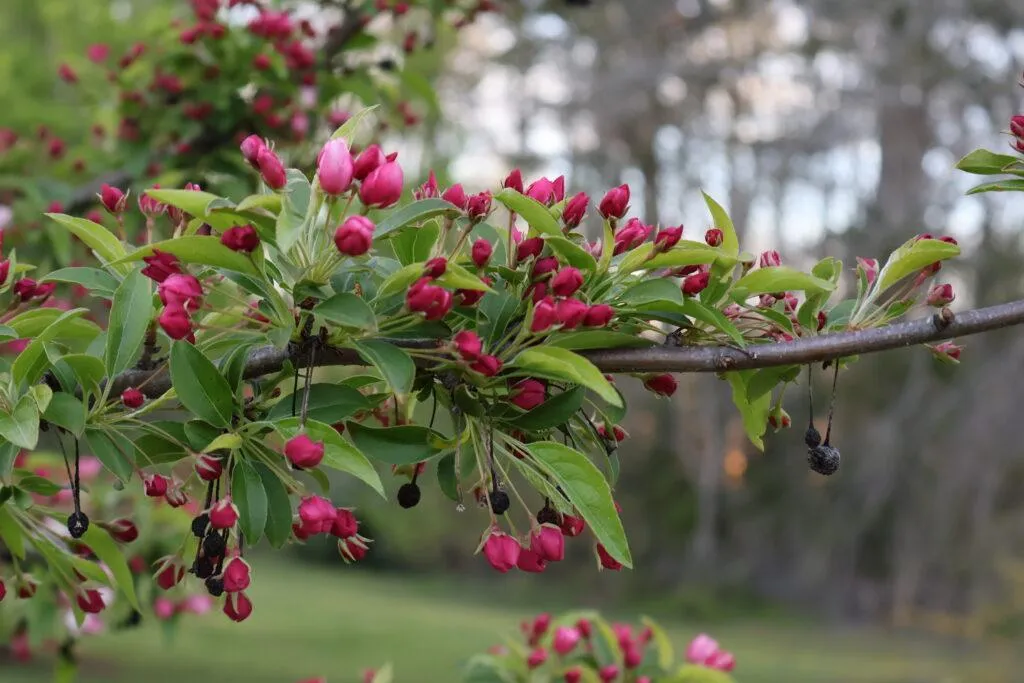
(547, 515)
(214, 545)
(812, 437)
(78, 524)
(199, 525)
(215, 586)
(823, 459)
(499, 501)
(203, 568)
(409, 495)
(132, 620)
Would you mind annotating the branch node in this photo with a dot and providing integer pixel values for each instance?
(943, 319)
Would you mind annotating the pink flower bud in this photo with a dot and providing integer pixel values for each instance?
(428, 189)
(303, 452)
(481, 252)
(181, 290)
(334, 167)
(544, 266)
(869, 267)
(607, 561)
(354, 237)
(383, 186)
(567, 281)
(571, 313)
(947, 351)
(223, 514)
(631, 236)
(163, 608)
(531, 562)
(721, 660)
(317, 515)
(5, 270)
(528, 393)
(714, 237)
(662, 385)
(3, 590)
(251, 148)
(668, 238)
(209, 467)
(237, 607)
(160, 265)
(237, 575)
(598, 315)
(770, 259)
(170, 575)
(113, 199)
(271, 169)
(548, 542)
(940, 295)
(696, 283)
(132, 398)
(546, 191)
(468, 345)
(544, 316)
(371, 158)
(502, 551)
(175, 322)
(609, 673)
(1017, 127)
(345, 523)
(25, 288)
(479, 205)
(97, 52)
(435, 267)
(575, 210)
(537, 658)
(488, 366)
(456, 195)
(90, 601)
(155, 485)
(565, 639)
(701, 649)
(122, 530)
(241, 238)
(67, 74)
(529, 247)
(573, 675)
(514, 181)
(615, 202)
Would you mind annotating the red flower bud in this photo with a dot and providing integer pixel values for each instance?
(615, 202)
(662, 385)
(947, 351)
(609, 673)
(371, 158)
(237, 607)
(869, 267)
(123, 530)
(334, 167)
(607, 561)
(488, 366)
(537, 658)
(132, 398)
(770, 259)
(112, 198)
(565, 640)
(468, 345)
(632, 235)
(571, 313)
(160, 265)
(714, 237)
(696, 283)
(482, 251)
(428, 189)
(940, 295)
(354, 237)
(209, 467)
(303, 452)
(90, 601)
(317, 515)
(67, 74)
(479, 205)
(155, 485)
(544, 266)
(502, 551)
(531, 562)
(573, 675)
(668, 238)
(435, 267)
(429, 299)
(528, 393)
(598, 315)
(5, 270)
(514, 181)
(456, 195)
(822, 320)
(3, 590)
(567, 281)
(271, 169)
(175, 322)
(240, 238)
(97, 52)
(383, 186)
(181, 290)
(24, 288)
(237, 575)
(170, 576)
(223, 514)
(251, 148)
(529, 247)
(345, 524)
(548, 542)
(544, 316)
(575, 210)
(546, 191)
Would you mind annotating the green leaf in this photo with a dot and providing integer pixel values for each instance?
(1009, 185)
(297, 210)
(107, 551)
(984, 162)
(555, 411)
(270, 202)
(763, 381)
(113, 449)
(95, 280)
(394, 364)
(42, 486)
(691, 673)
(588, 491)
(662, 643)
(780, 279)
(349, 129)
(754, 413)
(446, 478)
(199, 434)
(129, 318)
(339, 454)
(400, 280)
(279, 507)
(192, 202)
(32, 362)
(224, 442)
(404, 445)
(204, 250)
(88, 370)
(555, 363)
(31, 323)
(159, 450)
(233, 368)
(598, 339)
(103, 243)
(730, 242)
(417, 212)
(685, 253)
(66, 411)
(42, 395)
(499, 309)
(22, 426)
(248, 494)
(457, 277)
(200, 386)
(662, 289)
(533, 212)
(347, 310)
(571, 253)
(911, 257)
(11, 534)
(328, 403)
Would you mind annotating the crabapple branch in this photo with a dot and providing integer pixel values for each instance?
(267, 360)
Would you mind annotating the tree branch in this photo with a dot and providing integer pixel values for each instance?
(268, 359)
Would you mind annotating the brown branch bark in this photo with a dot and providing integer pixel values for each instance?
(267, 360)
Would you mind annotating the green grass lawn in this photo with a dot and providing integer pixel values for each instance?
(317, 621)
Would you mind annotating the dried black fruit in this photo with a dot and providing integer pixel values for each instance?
(812, 437)
(215, 586)
(409, 495)
(199, 525)
(547, 515)
(499, 502)
(203, 568)
(78, 524)
(214, 545)
(823, 459)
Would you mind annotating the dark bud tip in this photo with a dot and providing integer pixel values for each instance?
(199, 525)
(203, 568)
(499, 502)
(214, 545)
(78, 524)
(823, 459)
(812, 437)
(409, 495)
(547, 515)
(215, 586)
